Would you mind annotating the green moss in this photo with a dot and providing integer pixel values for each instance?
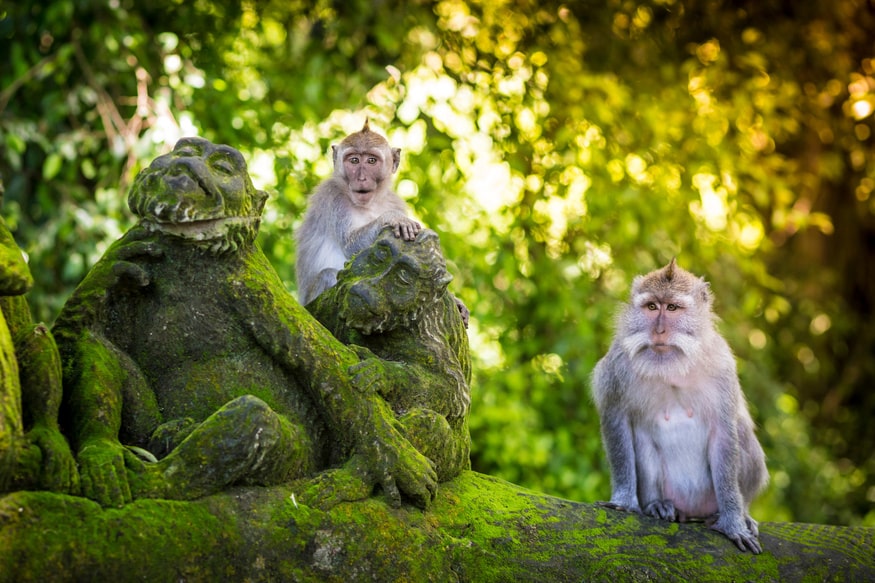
(478, 529)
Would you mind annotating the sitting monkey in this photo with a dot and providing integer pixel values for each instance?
(679, 438)
(347, 211)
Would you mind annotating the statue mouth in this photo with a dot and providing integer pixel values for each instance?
(200, 230)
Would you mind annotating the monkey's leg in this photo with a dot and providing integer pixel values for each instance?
(244, 442)
(650, 480)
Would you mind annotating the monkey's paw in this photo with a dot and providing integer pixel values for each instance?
(662, 509)
(738, 530)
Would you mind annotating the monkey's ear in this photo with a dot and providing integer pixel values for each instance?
(396, 158)
(705, 292)
(636, 284)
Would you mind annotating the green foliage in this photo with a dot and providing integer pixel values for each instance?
(559, 150)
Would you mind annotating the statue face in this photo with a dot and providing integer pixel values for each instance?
(197, 191)
(390, 283)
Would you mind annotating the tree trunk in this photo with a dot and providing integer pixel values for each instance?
(479, 528)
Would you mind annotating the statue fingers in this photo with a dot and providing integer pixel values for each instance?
(391, 490)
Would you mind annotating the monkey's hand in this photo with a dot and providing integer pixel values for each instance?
(59, 472)
(630, 505)
(742, 531)
(404, 227)
(102, 472)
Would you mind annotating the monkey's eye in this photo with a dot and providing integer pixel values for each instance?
(672, 307)
(372, 160)
(652, 306)
(353, 160)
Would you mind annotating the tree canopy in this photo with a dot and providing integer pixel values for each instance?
(558, 148)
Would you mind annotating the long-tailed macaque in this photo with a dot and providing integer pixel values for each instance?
(678, 436)
(348, 210)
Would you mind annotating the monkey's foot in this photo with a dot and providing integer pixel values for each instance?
(621, 507)
(662, 509)
(738, 531)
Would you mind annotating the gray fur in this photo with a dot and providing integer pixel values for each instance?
(676, 429)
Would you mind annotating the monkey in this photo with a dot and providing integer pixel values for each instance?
(675, 426)
(348, 210)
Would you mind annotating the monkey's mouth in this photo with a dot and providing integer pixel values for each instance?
(662, 348)
(200, 230)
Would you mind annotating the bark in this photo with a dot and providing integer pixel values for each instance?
(479, 528)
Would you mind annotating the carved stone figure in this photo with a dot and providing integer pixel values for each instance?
(33, 453)
(189, 367)
(392, 306)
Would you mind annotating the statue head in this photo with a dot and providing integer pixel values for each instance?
(200, 192)
(393, 282)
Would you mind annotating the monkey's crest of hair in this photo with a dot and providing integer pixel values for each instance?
(365, 138)
(673, 280)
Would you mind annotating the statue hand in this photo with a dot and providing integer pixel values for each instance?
(331, 487)
(121, 266)
(58, 472)
(102, 472)
(369, 375)
(398, 467)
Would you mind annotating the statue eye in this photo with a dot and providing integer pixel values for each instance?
(223, 166)
(380, 254)
(404, 275)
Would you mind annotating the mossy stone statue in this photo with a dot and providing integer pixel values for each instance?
(33, 453)
(391, 305)
(189, 368)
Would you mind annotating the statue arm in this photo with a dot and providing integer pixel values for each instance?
(96, 373)
(94, 405)
(362, 421)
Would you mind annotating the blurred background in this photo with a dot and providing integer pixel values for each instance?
(558, 148)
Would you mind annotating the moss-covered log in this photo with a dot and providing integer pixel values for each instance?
(479, 528)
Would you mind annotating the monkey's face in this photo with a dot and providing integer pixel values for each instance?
(663, 327)
(364, 161)
(365, 171)
(199, 191)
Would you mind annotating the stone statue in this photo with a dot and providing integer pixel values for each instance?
(33, 453)
(391, 305)
(189, 368)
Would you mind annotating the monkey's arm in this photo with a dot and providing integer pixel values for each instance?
(724, 459)
(617, 436)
